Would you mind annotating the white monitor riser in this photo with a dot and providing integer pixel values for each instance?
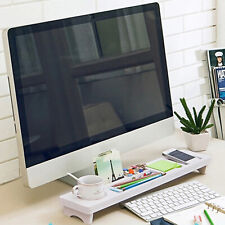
(84, 209)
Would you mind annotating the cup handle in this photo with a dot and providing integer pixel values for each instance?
(75, 192)
(74, 189)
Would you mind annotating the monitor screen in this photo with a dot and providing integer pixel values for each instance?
(82, 80)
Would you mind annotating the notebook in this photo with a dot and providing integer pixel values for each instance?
(186, 217)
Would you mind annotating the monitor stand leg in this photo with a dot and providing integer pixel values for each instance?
(86, 218)
(202, 170)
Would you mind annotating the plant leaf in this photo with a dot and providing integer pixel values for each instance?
(187, 111)
(209, 126)
(185, 129)
(195, 115)
(178, 116)
(200, 124)
(200, 120)
(208, 115)
(186, 123)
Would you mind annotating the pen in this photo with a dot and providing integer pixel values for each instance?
(208, 217)
(134, 185)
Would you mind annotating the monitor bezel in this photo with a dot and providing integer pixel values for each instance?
(32, 174)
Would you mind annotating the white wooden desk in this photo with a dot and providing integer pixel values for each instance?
(40, 206)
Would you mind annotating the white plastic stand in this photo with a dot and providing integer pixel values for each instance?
(85, 209)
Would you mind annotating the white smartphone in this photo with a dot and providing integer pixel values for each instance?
(180, 156)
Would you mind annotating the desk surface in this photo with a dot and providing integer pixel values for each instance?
(40, 206)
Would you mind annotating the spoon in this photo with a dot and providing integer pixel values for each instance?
(74, 177)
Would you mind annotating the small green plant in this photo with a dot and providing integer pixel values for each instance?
(197, 124)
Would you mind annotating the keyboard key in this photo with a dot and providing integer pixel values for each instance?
(147, 218)
(159, 214)
(145, 213)
(186, 205)
(153, 215)
(163, 212)
(155, 210)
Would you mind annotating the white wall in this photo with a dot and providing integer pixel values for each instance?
(189, 27)
(220, 40)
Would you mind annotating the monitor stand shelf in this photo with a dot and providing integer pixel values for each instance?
(85, 209)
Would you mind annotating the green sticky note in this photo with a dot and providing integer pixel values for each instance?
(164, 165)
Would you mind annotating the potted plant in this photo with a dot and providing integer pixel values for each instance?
(195, 127)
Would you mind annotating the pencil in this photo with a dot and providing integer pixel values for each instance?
(144, 181)
(115, 189)
(208, 217)
(138, 179)
(134, 182)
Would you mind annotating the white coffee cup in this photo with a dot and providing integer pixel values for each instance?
(90, 187)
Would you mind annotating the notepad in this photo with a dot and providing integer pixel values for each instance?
(185, 217)
(164, 165)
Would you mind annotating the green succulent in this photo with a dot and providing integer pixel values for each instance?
(196, 124)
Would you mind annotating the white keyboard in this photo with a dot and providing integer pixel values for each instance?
(157, 204)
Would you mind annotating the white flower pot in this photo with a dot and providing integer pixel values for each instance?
(197, 142)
